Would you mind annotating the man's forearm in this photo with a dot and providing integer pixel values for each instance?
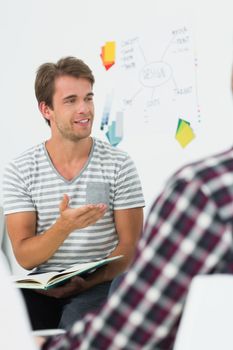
(32, 250)
(35, 250)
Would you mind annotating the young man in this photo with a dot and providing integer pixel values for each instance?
(71, 199)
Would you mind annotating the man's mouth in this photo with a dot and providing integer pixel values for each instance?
(82, 121)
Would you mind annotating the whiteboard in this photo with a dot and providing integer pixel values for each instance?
(195, 82)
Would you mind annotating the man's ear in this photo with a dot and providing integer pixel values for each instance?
(45, 110)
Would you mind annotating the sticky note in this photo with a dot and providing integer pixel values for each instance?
(108, 54)
(184, 133)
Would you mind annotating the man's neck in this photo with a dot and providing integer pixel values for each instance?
(69, 157)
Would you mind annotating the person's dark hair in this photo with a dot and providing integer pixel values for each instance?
(47, 73)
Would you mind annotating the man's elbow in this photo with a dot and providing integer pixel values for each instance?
(24, 258)
(25, 263)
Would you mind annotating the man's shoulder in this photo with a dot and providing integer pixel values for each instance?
(206, 170)
(27, 156)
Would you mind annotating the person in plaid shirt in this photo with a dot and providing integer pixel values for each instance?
(188, 232)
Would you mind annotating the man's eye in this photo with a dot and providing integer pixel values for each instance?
(71, 100)
(89, 98)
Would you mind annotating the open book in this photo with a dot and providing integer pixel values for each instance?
(48, 280)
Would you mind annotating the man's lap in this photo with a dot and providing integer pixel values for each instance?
(47, 312)
(89, 301)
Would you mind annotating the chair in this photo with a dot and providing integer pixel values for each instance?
(5, 247)
(207, 320)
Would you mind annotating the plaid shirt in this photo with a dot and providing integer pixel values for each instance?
(188, 232)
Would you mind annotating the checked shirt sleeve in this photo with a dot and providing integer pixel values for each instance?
(183, 237)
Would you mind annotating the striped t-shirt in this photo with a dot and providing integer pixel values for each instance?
(32, 183)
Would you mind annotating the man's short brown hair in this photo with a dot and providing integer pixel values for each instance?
(47, 73)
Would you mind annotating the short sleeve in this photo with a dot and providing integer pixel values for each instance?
(128, 189)
(16, 193)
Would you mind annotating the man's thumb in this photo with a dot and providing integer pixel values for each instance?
(64, 203)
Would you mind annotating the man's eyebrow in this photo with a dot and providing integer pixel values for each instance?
(75, 96)
(68, 97)
(90, 94)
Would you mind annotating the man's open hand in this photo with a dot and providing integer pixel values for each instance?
(77, 218)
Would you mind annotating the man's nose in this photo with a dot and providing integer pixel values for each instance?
(82, 107)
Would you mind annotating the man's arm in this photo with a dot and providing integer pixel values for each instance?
(128, 224)
(31, 250)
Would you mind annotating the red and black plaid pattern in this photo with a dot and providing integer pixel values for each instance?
(188, 232)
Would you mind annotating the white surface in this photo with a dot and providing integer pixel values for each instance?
(7, 249)
(14, 324)
(2, 226)
(33, 32)
(208, 316)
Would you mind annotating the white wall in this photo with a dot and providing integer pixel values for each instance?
(33, 32)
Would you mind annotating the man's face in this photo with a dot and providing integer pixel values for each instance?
(73, 109)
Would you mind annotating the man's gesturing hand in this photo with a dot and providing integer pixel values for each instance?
(77, 218)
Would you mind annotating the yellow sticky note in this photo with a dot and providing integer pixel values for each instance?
(109, 51)
(185, 134)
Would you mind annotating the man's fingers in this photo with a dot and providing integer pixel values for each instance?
(73, 286)
(76, 218)
(92, 213)
(90, 210)
(100, 206)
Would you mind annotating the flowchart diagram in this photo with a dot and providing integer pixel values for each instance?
(152, 86)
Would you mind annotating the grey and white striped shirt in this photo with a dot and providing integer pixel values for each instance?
(31, 183)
